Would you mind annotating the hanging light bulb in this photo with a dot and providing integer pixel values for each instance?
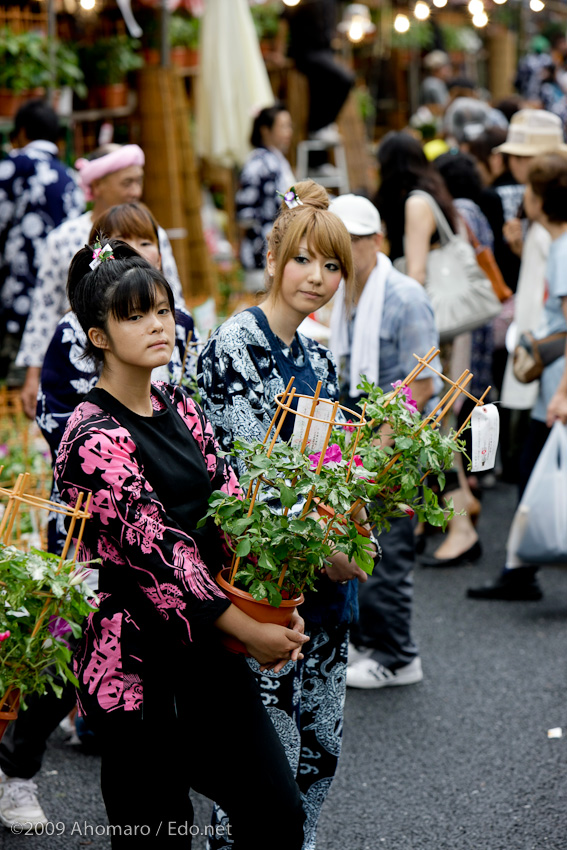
(476, 7)
(499, 2)
(537, 5)
(356, 22)
(440, 3)
(480, 19)
(291, 2)
(422, 10)
(88, 4)
(401, 23)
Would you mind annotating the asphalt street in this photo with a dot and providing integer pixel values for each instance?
(461, 761)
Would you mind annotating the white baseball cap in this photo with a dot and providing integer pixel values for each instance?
(358, 214)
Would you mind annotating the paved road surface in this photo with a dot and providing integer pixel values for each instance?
(461, 761)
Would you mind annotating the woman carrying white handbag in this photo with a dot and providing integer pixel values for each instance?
(418, 213)
(546, 202)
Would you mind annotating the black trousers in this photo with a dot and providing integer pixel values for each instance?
(25, 739)
(329, 85)
(216, 738)
(386, 599)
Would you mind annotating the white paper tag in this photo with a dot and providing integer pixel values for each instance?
(318, 430)
(485, 425)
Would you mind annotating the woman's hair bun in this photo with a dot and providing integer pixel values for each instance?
(310, 194)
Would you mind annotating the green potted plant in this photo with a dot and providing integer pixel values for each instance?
(23, 68)
(279, 536)
(184, 33)
(42, 602)
(396, 465)
(107, 64)
(266, 19)
(278, 541)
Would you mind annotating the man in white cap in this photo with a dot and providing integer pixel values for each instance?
(392, 320)
(112, 175)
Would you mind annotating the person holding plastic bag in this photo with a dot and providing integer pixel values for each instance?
(546, 202)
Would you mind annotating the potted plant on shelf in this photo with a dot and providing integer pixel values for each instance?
(266, 19)
(23, 68)
(107, 63)
(43, 600)
(184, 34)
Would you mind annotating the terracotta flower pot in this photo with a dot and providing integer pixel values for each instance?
(261, 611)
(9, 709)
(179, 56)
(112, 96)
(11, 102)
(328, 513)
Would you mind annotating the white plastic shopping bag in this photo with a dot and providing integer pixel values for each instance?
(543, 508)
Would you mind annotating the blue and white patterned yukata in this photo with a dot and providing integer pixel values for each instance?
(238, 377)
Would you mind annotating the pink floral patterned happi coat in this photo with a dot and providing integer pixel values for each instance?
(139, 544)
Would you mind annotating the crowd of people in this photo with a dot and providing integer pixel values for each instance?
(95, 332)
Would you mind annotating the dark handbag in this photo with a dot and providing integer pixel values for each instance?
(532, 355)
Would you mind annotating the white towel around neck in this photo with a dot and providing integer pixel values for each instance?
(365, 351)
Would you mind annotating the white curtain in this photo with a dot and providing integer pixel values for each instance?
(233, 83)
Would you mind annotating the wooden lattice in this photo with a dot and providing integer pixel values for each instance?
(22, 446)
(22, 20)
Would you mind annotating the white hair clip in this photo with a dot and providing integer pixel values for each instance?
(101, 254)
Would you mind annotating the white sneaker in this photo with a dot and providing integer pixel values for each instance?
(368, 673)
(18, 802)
(357, 654)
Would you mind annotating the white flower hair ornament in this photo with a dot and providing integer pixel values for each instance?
(101, 254)
(291, 198)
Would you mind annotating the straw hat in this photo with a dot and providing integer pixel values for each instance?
(531, 132)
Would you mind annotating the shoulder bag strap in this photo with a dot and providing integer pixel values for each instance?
(443, 226)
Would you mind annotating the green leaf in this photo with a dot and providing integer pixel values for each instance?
(287, 495)
(243, 548)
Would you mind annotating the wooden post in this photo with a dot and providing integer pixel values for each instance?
(172, 189)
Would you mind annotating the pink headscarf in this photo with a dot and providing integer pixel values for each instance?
(94, 169)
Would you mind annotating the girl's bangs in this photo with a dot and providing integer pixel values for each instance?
(139, 291)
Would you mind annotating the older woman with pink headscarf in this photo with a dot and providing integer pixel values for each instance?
(114, 174)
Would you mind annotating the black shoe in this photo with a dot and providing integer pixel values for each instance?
(519, 585)
(472, 554)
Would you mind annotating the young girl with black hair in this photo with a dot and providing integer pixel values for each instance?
(154, 678)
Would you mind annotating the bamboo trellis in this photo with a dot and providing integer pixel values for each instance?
(15, 498)
(284, 401)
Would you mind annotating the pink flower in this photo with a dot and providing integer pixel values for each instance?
(409, 403)
(4, 635)
(405, 509)
(349, 428)
(332, 455)
(358, 460)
